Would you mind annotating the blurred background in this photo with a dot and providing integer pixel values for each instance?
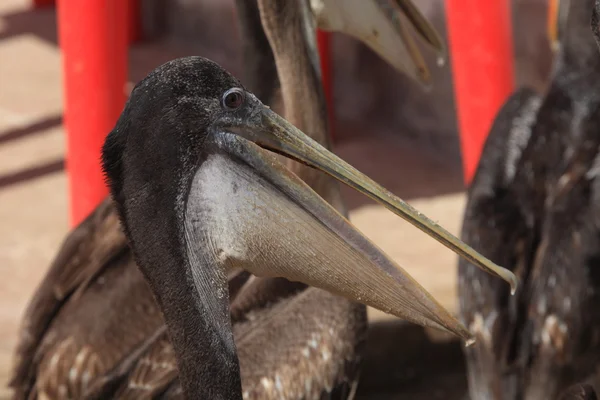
(385, 125)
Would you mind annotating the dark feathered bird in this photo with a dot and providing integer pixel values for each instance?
(212, 200)
(533, 208)
(93, 328)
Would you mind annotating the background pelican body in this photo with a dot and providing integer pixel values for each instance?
(533, 208)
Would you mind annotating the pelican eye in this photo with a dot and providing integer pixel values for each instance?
(233, 99)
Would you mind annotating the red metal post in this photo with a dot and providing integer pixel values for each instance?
(93, 36)
(482, 63)
(323, 42)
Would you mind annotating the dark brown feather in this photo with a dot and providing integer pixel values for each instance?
(85, 254)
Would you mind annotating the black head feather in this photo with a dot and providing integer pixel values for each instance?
(166, 117)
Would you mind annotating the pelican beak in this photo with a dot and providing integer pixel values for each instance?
(306, 240)
(383, 26)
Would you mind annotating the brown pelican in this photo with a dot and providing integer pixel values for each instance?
(532, 207)
(67, 351)
(198, 196)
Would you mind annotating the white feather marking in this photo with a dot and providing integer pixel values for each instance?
(62, 348)
(477, 287)
(266, 382)
(308, 385)
(554, 332)
(542, 306)
(483, 326)
(80, 359)
(519, 136)
(85, 378)
(595, 168)
(567, 304)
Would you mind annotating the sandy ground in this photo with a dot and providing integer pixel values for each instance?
(33, 185)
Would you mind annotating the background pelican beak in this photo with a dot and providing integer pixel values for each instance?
(383, 26)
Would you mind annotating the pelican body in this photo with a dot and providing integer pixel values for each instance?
(216, 201)
(533, 208)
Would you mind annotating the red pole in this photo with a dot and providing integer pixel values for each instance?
(482, 63)
(324, 44)
(93, 36)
